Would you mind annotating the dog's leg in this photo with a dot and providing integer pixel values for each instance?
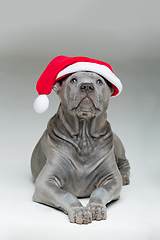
(107, 192)
(48, 191)
(49, 176)
(121, 160)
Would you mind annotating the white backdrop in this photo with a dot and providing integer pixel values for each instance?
(125, 34)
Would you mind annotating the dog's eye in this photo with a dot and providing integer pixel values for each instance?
(73, 80)
(99, 81)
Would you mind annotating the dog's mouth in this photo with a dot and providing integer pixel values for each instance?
(86, 104)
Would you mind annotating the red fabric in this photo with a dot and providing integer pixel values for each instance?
(48, 77)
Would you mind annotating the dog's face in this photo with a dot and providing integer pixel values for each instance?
(84, 93)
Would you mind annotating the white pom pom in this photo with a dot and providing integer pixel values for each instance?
(41, 103)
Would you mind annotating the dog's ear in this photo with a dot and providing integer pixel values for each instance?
(57, 86)
(110, 86)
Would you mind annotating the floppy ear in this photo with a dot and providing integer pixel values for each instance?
(110, 86)
(58, 85)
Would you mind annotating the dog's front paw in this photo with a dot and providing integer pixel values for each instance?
(98, 211)
(80, 215)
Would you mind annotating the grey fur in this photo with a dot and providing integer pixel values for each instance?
(78, 155)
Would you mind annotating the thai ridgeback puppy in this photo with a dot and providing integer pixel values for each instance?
(78, 154)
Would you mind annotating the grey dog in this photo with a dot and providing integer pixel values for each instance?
(78, 154)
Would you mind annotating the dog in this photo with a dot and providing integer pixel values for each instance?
(78, 155)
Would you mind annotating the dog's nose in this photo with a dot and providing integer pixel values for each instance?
(87, 87)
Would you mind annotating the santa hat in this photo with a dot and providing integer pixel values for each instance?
(62, 66)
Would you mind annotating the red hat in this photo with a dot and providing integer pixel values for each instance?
(62, 66)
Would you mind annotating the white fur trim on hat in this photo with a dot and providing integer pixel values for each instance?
(41, 103)
(102, 70)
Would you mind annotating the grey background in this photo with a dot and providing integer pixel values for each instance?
(125, 34)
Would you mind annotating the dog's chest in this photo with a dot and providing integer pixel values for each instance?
(84, 173)
(82, 179)
(86, 143)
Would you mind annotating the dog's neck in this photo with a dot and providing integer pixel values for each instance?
(84, 134)
(95, 126)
